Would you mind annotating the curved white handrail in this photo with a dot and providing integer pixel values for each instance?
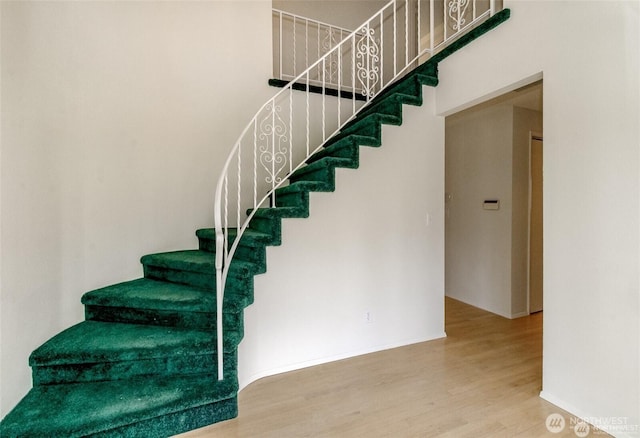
(363, 64)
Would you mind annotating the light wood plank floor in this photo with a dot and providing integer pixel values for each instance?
(483, 380)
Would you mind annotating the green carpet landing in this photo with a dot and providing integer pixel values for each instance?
(144, 361)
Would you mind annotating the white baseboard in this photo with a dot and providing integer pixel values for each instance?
(319, 361)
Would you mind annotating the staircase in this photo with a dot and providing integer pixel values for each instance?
(145, 360)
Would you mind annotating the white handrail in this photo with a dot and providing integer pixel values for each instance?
(266, 151)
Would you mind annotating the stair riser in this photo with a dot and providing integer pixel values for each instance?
(324, 174)
(207, 238)
(389, 109)
(393, 120)
(239, 286)
(195, 279)
(410, 100)
(407, 91)
(251, 252)
(256, 255)
(167, 366)
(361, 140)
(341, 150)
(430, 69)
(176, 423)
(372, 140)
(357, 138)
(268, 225)
(197, 320)
(290, 212)
(293, 199)
(427, 80)
(368, 126)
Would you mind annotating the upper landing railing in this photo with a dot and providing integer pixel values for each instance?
(299, 41)
(293, 125)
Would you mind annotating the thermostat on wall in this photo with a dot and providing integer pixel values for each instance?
(491, 204)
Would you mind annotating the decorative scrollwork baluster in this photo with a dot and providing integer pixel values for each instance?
(273, 144)
(457, 11)
(331, 65)
(368, 56)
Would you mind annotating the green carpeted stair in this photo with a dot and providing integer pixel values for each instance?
(143, 363)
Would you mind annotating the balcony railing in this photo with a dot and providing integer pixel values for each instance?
(299, 41)
(427, 25)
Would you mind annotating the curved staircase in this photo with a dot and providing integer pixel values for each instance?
(143, 363)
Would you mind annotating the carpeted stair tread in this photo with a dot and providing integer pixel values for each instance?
(82, 409)
(187, 260)
(346, 147)
(295, 197)
(380, 118)
(366, 129)
(251, 247)
(427, 70)
(360, 138)
(95, 341)
(196, 268)
(406, 90)
(267, 224)
(249, 235)
(391, 103)
(279, 213)
(194, 260)
(150, 294)
(145, 293)
(323, 163)
(305, 186)
(390, 109)
(427, 79)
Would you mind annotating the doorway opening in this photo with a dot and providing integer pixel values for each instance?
(535, 296)
(494, 202)
(494, 228)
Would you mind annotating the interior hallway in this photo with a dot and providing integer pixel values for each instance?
(483, 380)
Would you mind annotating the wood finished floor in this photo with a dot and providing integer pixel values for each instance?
(483, 380)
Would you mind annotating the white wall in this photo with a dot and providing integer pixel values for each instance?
(591, 176)
(365, 248)
(116, 118)
(479, 148)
